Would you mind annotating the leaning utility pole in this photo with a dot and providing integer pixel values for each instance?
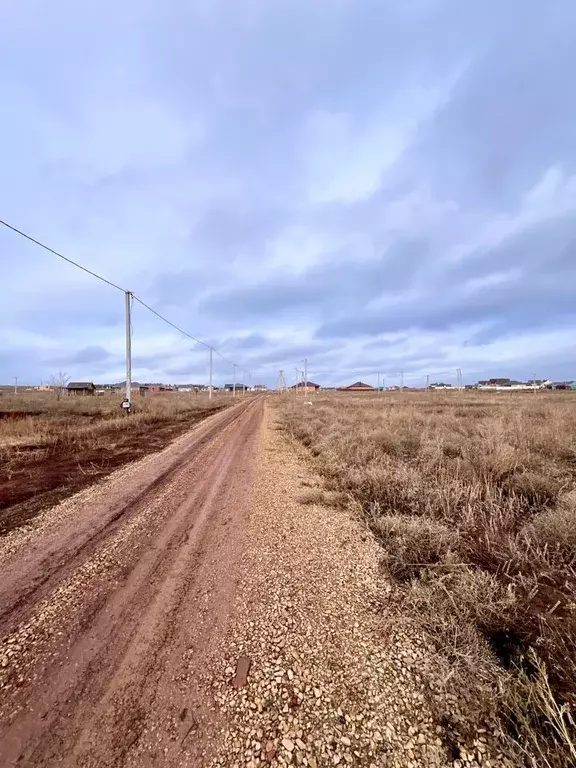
(210, 385)
(234, 382)
(128, 304)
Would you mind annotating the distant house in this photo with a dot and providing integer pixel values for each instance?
(81, 388)
(232, 387)
(358, 386)
(513, 385)
(136, 388)
(566, 385)
(154, 388)
(309, 385)
(122, 385)
(259, 388)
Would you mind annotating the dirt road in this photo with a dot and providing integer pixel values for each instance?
(110, 602)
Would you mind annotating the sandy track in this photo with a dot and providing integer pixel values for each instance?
(109, 605)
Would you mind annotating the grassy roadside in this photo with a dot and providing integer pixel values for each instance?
(50, 449)
(473, 497)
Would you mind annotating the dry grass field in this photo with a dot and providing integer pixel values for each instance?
(50, 448)
(473, 497)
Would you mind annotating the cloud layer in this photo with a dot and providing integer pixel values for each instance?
(374, 186)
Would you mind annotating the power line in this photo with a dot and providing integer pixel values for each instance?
(176, 328)
(113, 285)
(56, 253)
(227, 360)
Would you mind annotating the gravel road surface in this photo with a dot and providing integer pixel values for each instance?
(110, 601)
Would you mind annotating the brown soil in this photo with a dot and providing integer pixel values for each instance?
(39, 476)
(110, 603)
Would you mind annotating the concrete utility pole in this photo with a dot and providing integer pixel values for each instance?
(210, 384)
(427, 382)
(306, 401)
(534, 382)
(243, 383)
(15, 385)
(234, 382)
(128, 302)
(378, 381)
(401, 379)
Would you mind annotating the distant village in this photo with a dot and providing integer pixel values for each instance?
(83, 388)
(498, 384)
(90, 388)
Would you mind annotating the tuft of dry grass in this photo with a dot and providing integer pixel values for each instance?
(36, 418)
(473, 496)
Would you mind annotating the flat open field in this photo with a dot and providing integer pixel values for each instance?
(473, 498)
(51, 448)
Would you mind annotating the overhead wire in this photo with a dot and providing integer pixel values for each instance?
(133, 296)
(169, 322)
(61, 256)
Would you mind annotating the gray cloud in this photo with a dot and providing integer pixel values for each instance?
(338, 282)
(92, 354)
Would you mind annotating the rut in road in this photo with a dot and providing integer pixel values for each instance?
(106, 617)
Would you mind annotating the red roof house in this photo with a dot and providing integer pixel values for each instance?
(358, 386)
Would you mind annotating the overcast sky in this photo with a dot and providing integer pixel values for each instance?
(373, 185)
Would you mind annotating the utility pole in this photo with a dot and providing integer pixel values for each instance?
(15, 385)
(378, 381)
(402, 380)
(234, 382)
(534, 382)
(281, 386)
(128, 302)
(306, 401)
(210, 385)
(298, 380)
(243, 383)
(427, 382)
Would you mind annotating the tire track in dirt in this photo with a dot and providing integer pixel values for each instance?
(50, 564)
(104, 667)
